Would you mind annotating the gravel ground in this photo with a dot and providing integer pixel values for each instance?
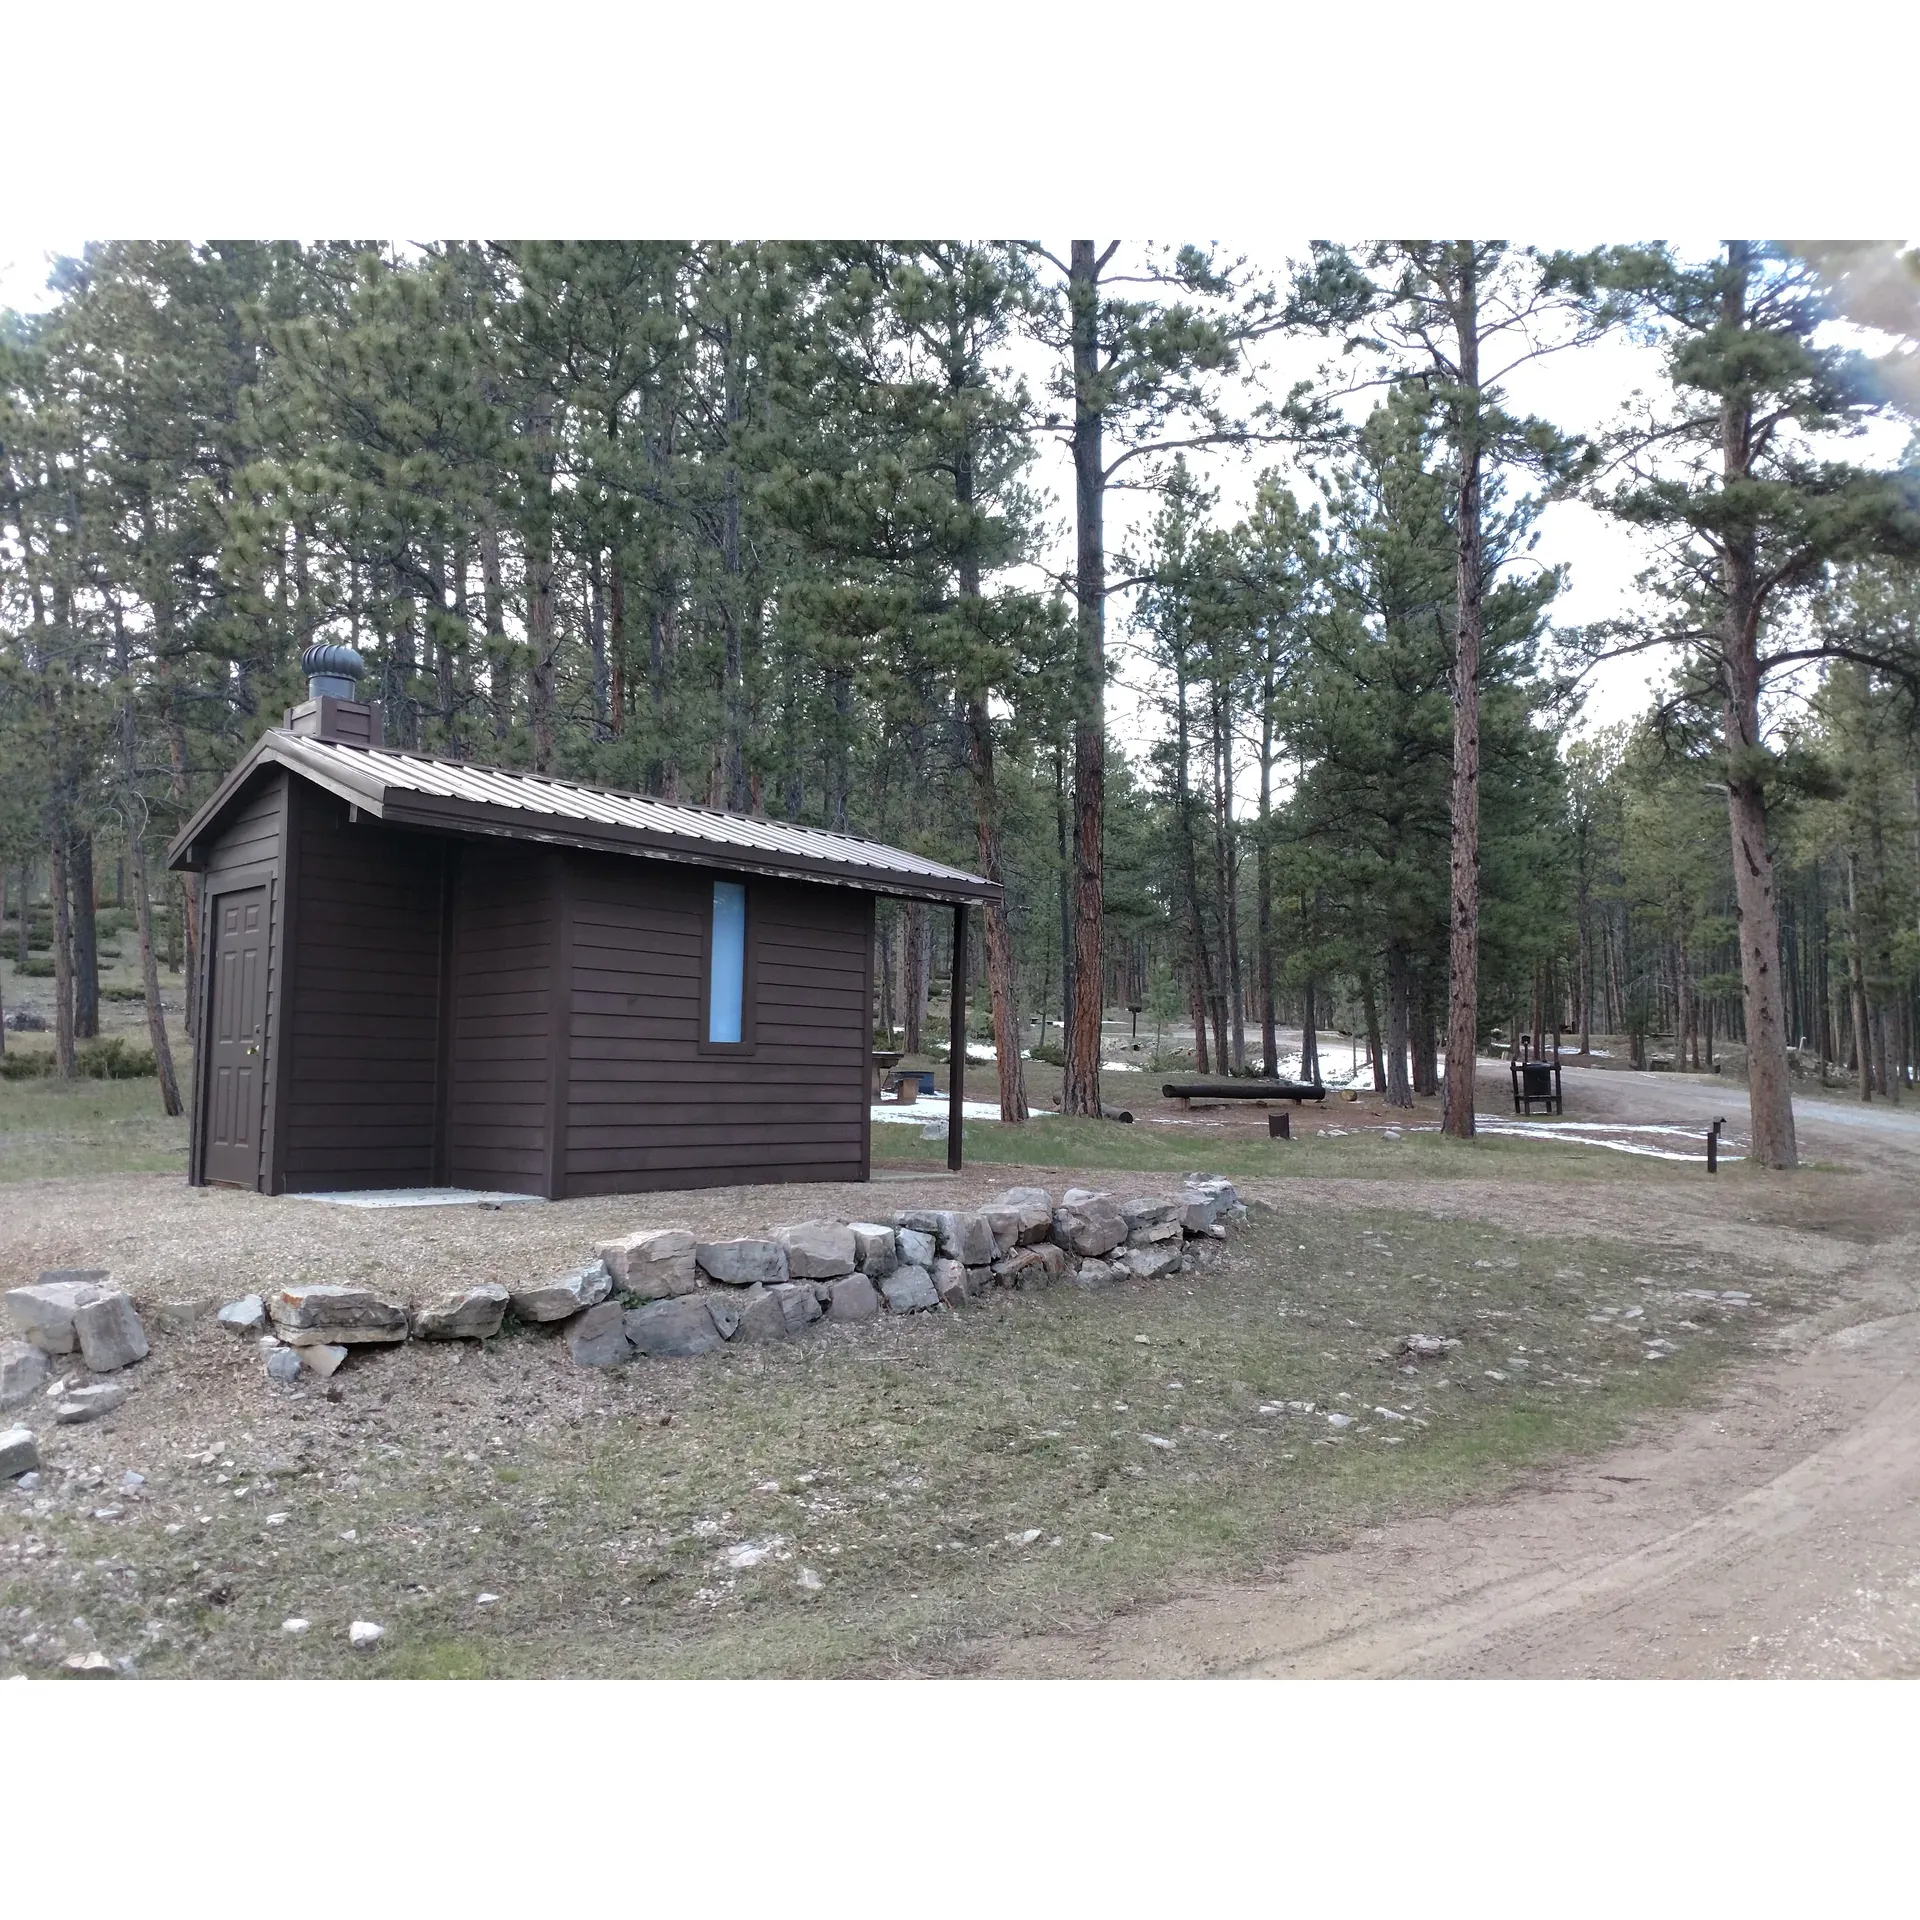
(164, 1240)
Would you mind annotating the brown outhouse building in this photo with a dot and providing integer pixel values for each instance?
(424, 973)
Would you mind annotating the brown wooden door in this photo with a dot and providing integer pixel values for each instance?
(236, 1078)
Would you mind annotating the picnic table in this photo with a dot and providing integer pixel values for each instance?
(1184, 1092)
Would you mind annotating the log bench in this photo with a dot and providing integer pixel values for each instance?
(1184, 1092)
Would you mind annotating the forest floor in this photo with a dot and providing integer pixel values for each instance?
(1677, 1435)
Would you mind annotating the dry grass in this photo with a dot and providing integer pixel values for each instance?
(899, 1463)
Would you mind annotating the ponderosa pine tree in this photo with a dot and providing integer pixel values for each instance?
(1464, 314)
(1730, 475)
(1138, 378)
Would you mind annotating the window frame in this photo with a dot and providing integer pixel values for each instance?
(749, 987)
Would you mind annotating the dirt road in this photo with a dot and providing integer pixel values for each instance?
(1775, 1534)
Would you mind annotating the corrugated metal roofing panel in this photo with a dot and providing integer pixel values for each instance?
(780, 842)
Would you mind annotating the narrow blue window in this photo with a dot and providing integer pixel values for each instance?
(726, 996)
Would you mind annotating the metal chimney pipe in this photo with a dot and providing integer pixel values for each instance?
(332, 671)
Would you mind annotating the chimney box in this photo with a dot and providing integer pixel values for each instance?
(332, 710)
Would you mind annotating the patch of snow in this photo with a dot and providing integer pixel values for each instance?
(924, 1110)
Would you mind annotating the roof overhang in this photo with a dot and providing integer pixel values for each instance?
(355, 776)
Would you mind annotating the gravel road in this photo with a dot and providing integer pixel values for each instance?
(1774, 1534)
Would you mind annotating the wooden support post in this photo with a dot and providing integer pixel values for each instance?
(1713, 1146)
(957, 1067)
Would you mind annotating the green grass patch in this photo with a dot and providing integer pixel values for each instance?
(1109, 1146)
(52, 1128)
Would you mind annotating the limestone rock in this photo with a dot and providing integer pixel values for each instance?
(854, 1298)
(365, 1634)
(950, 1282)
(599, 1337)
(1149, 1213)
(23, 1372)
(110, 1333)
(335, 1316)
(800, 1304)
(245, 1315)
(283, 1365)
(762, 1317)
(1004, 1224)
(1153, 1262)
(474, 1313)
(743, 1263)
(655, 1264)
(1031, 1267)
(1160, 1234)
(1093, 1273)
(1034, 1205)
(874, 1248)
(819, 1250)
(1204, 1201)
(966, 1237)
(43, 1313)
(318, 1358)
(677, 1328)
(77, 1405)
(1088, 1224)
(916, 1248)
(19, 1452)
(178, 1315)
(561, 1299)
(909, 1290)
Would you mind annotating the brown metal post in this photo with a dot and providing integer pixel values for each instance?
(957, 1068)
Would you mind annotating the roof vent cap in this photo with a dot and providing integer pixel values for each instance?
(333, 670)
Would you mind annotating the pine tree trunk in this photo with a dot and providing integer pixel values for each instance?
(1269, 1029)
(499, 658)
(1857, 977)
(1080, 1091)
(1769, 1090)
(1309, 1038)
(189, 882)
(617, 642)
(918, 965)
(150, 980)
(597, 645)
(1369, 1005)
(86, 940)
(1197, 1000)
(542, 646)
(1463, 1008)
(1586, 975)
(1063, 851)
(733, 755)
(1399, 1025)
(62, 957)
(1001, 982)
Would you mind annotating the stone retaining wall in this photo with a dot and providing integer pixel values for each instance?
(655, 1293)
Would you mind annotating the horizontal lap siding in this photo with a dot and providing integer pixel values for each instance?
(365, 1021)
(645, 1107)
(501, 1066)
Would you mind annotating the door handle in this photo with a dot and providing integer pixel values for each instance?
(252, 1050)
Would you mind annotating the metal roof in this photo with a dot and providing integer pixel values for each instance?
(454, 796)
